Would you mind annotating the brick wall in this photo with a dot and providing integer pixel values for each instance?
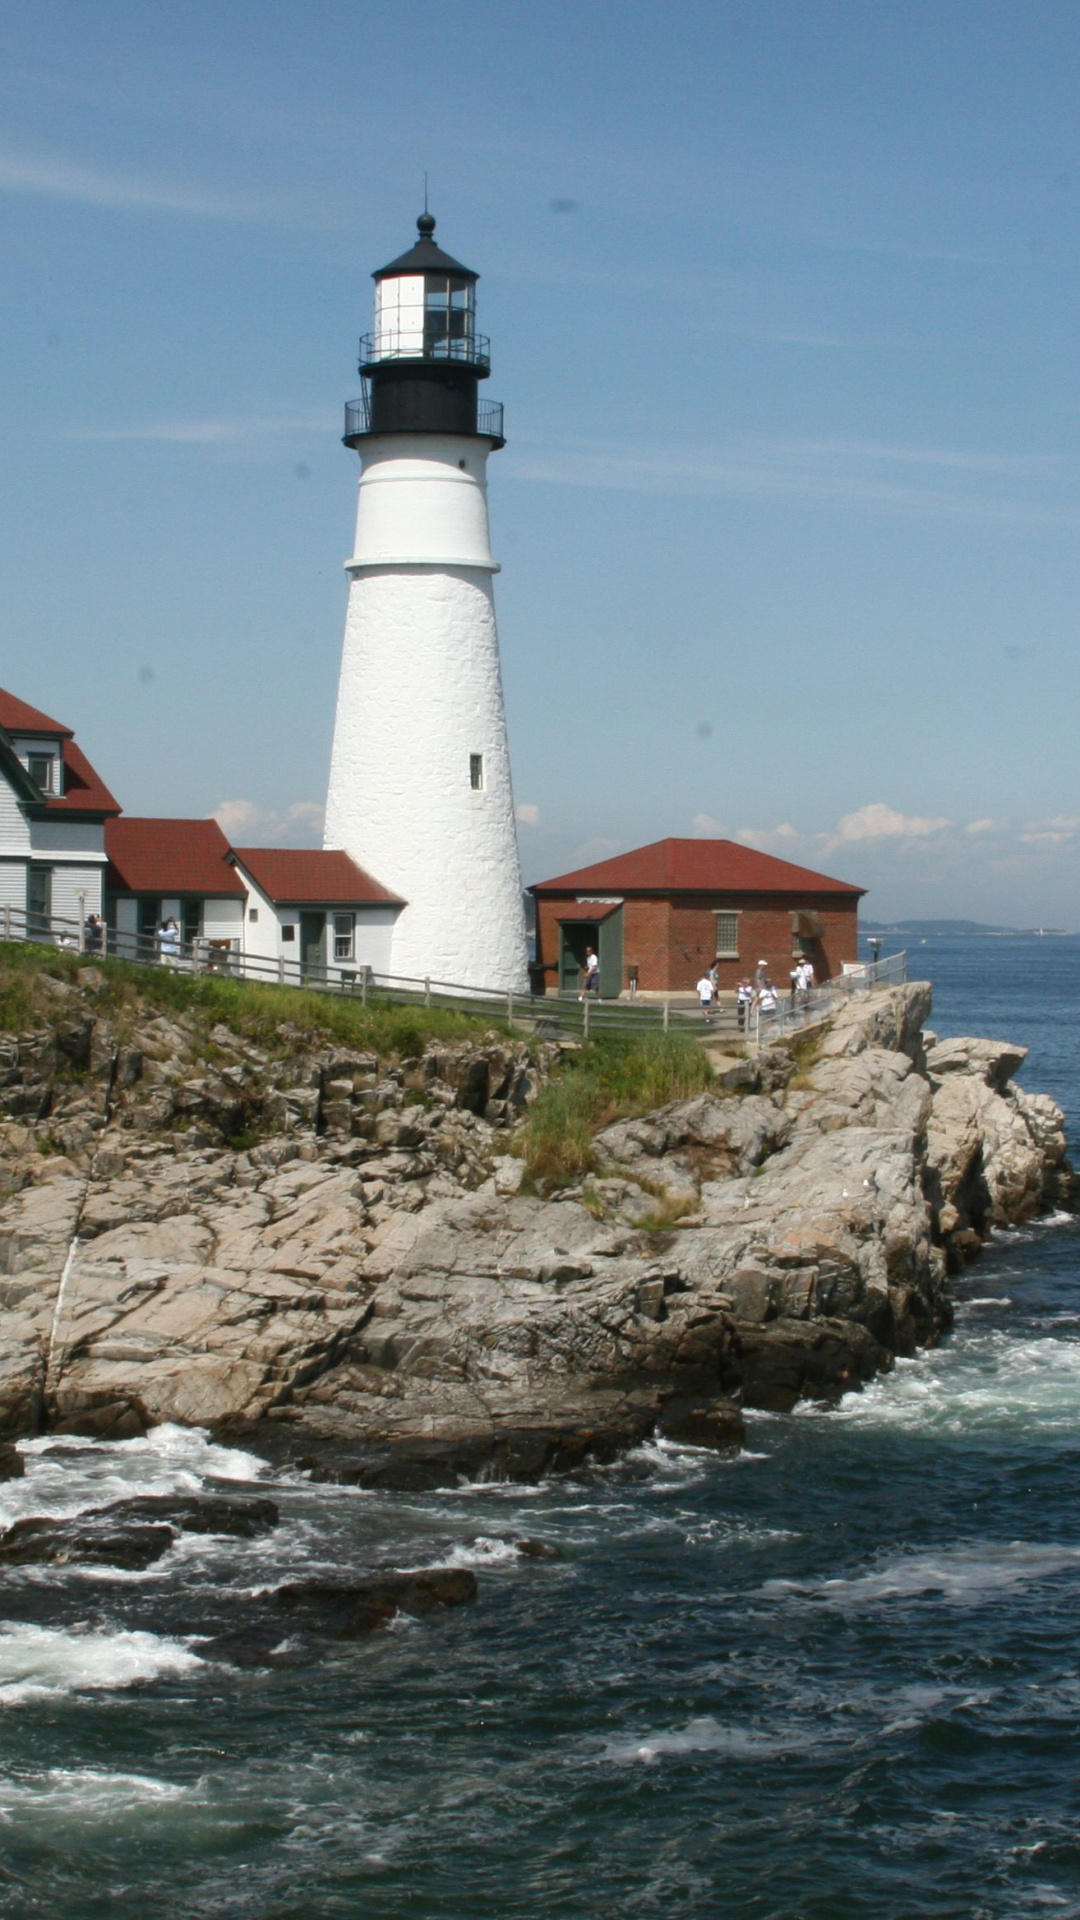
(671, 940)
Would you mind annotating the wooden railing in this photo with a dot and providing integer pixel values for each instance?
(573, 1015)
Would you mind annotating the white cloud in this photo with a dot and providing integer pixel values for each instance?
(1055, 832)
(879, 822)
(981, 826)
(768, 839)
(706, 828)
(527, 814)
(245, 823)
(63, 180)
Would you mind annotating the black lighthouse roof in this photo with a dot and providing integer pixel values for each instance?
(425, 257)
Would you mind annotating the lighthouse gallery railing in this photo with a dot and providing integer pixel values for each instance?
(489, 417)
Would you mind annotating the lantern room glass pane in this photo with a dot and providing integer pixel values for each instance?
(447, 315)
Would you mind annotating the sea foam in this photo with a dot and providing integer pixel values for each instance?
(45, 1663)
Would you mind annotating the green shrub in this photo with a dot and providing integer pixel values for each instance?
(611, 1079)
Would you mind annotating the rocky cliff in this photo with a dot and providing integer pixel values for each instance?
(329, 1252)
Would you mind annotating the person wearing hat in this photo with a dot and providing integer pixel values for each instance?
(761, 974)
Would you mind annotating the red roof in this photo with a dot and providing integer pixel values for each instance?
(296, 876)
(695, 866)
(18, 717)
(84, 790)
(169, 857)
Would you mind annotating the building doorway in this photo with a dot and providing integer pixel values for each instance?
(574, 943)
(39, 903)
(313, 946)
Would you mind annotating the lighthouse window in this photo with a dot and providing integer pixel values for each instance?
(476, 772)
(447, 306)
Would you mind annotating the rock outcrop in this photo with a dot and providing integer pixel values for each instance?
(331, 1257)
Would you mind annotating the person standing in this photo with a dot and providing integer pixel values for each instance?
(705, 991)
(744, 994)
(94, 934)
(767, 1000)
(591, 981)
(168, 942)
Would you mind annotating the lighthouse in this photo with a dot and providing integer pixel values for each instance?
(420, 792)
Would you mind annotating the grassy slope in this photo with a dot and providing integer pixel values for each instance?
(259, 1013)
(610, 1079)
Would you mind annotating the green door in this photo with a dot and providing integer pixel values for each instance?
(39, 903)
(610, 954)
(313, 946)
(574, 942)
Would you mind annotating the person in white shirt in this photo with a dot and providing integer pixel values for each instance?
(168, 942)
(591, 979)
(705, 994)
(767, 1000)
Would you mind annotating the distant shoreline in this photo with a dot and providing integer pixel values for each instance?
(946, 930)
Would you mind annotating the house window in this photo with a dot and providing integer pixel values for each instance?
(40, 768)
(476, 772)
(253, 915)
(727, 936)
(191, 922)
(149, 922)
(288, 933)
(38, 902)
(344, 931)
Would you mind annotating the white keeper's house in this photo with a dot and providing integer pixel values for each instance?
(67, 851)
(53, 812)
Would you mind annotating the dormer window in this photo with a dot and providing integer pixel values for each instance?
(43, 768)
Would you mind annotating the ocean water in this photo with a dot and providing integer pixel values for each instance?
(836, 1678)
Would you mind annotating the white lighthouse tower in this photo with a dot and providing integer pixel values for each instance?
(420, 791)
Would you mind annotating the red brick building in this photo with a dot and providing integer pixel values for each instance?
(665, 912)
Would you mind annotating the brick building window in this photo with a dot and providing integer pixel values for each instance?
(727, 935)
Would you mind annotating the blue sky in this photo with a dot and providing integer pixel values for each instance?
(783, 302)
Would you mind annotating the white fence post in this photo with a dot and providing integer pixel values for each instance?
(585, 1004)
(667, 1012)
(427, 991)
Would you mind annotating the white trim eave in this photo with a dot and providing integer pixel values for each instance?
(55, 857)
(410, 560)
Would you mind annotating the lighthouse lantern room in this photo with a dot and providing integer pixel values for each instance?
(420, 791)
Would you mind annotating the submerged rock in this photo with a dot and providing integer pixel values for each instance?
(348, 1610)
(84, 1541)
